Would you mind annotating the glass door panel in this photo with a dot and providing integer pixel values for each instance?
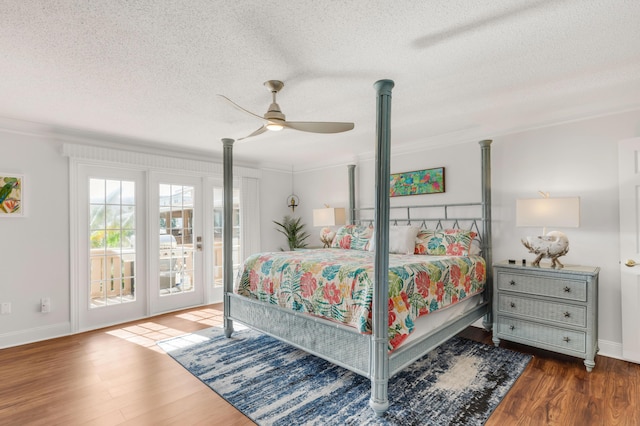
(112, 255)
(177, 269)
(177, 251)
(112, 224)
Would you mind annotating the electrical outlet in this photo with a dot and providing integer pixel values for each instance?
(45, 305)
(5, 308)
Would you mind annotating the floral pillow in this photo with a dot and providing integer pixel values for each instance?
(450, 242)
(352, 237)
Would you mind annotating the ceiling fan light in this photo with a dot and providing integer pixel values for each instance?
(274, 127)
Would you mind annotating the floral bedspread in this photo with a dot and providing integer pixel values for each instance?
(338, 285)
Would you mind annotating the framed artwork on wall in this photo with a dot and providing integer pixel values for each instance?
(11, 195)
(427, 181)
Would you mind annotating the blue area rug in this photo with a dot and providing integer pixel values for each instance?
(459, 383)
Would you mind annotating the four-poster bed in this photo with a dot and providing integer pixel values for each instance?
(367, 351)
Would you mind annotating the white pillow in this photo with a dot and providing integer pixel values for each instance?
(402, 239)
(475, 250)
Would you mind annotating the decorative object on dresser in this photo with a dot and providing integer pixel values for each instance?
(546, 211)
(552, 309)
(326, 217)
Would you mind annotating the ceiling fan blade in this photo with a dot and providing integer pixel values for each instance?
(318, 126)
(240, 108)
(256, 133)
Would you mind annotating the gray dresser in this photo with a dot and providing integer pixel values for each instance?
(552, 309)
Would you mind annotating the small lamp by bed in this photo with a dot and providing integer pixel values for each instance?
(327, 217)
(546, 211)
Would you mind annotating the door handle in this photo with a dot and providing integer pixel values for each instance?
(631, 263)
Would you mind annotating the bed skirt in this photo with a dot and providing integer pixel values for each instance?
(339, 344)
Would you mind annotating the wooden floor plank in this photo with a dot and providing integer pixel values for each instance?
(118, 376)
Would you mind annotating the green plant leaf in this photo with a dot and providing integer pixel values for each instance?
(293, 230)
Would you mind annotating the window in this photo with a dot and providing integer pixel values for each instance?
(112, 223)
(177, 255)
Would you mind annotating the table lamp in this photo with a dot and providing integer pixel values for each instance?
(548, 212)
(327, 217)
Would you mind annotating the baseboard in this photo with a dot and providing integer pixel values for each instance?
(32, 335)
(610, 349)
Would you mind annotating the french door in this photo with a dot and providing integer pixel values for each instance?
(145, 242)
(176, 219)
(112, 234)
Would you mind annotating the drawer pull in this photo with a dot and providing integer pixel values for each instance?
(512, 282)
(512, 327)
(513, 305)
(567, 315)
(566, 339)
(567, 289)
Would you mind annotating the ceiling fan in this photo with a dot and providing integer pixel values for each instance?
(275, 120)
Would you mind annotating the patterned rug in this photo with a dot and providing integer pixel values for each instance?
(459, 383)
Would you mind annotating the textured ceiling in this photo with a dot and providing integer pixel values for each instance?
(149, 71)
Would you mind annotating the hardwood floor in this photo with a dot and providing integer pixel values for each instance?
(118, 376)
(113, 376)
(556, 389)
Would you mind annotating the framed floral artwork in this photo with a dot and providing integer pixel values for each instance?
(11, 195)
(427, 181)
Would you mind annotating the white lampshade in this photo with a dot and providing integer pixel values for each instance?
(329, 216)
(555, 212)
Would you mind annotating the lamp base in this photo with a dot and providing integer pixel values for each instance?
(553, 245)
(326, 237)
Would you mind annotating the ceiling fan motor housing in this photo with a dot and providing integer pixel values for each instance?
(274, 113)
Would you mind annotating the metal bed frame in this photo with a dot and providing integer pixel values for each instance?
(363, 354)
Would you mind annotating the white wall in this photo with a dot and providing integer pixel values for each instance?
(275, 187)
(35, 249)
(330, 186)
(572, 159)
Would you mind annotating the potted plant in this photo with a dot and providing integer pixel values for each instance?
(293, 230)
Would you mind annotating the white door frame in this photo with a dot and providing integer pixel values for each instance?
(629, 187)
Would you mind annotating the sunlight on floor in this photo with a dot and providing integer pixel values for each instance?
(208, 316)
(147, 334)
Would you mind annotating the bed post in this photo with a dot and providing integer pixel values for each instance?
(487, 322)
(379, 353)
(352, 193)
(227, 218)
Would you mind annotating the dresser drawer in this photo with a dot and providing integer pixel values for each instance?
(543, 286)
(523, 331)
(561, 313)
